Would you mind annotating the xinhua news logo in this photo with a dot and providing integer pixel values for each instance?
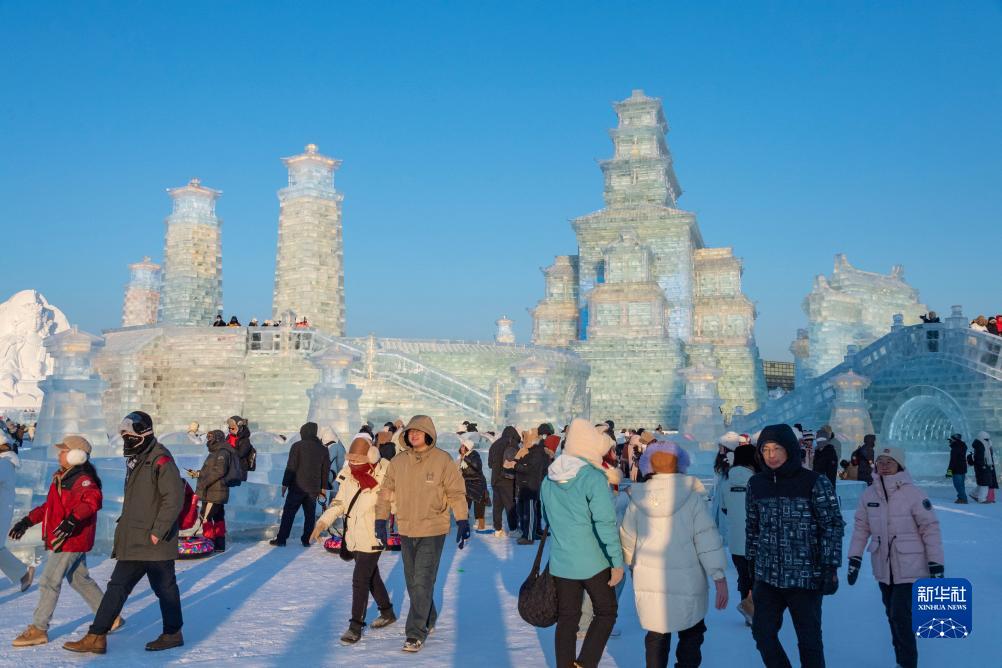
(942, 608)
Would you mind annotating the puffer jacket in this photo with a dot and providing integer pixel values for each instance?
(471, 467)
(154, 494)
(210, 486)
(309, 464)
(362, 521)
(74, 492)
(670, 542)
(423, 487)
(897, 519)
(732, 501)
(497, 455)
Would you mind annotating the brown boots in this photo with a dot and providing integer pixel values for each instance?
(481, 526)
(90, 643)
(747, 610)
(165, 641)
(31, 636)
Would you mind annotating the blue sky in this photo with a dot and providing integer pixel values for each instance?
(469, 134)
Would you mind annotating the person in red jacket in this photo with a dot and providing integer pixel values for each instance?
(69, 519)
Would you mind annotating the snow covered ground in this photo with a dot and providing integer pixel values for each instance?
(256, 605)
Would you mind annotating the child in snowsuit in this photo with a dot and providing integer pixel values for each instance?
(69, 520)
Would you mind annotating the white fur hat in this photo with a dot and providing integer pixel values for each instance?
(730, 440)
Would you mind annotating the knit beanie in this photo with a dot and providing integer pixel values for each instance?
(730, 440)
(668, 447)
(897, 454)
(584, 441)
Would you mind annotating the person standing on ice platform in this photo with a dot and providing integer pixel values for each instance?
(897, 519)
(145, 537)
(793, 541)
(423, 482)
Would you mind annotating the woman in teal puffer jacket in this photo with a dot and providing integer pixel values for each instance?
(585, 552)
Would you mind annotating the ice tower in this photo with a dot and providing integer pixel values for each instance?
(193, 266)
(142, 294)
(309, 271)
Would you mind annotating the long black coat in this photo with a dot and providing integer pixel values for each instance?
(826, 461)
(309, 463)
(958, 457)
(473, 476)
(496, 455)
(984, 470)
(531, 468)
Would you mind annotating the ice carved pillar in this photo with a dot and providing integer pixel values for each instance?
(701, 416)
(850, 418)
(333, 400)
(532, 402)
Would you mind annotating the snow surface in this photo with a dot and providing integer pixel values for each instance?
(256, 605)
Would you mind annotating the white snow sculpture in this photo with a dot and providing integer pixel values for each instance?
(26, 320)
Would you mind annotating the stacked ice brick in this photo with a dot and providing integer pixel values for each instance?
(142, 294)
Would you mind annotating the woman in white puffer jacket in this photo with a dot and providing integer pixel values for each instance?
(671, 544)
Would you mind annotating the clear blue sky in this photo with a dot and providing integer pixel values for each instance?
(469, 134)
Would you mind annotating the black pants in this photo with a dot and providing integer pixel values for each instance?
(687, 654)
(805, 611)
(570, 595)
(365, 580)
(294, 500)
(898, 605)
(530, 513)
(477, 506)
(124, 578)
(504, 502)
(742, 566)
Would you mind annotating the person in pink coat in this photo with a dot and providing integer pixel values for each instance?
(896, 518)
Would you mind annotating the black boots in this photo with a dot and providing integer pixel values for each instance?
(353, 634)
(219, 544)
(165, 641)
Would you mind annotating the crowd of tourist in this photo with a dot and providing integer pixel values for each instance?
(234, 321)
(992, 324)
(774, 508)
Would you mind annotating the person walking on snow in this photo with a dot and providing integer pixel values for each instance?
(671, 545)
(471, 467)
(10, 565)
(303, 484)
(145, 537)
(984, 468)
(211, 487)
(69, 519)
(793, 537)
(898, 521)
(501, 460)
(958, 466)
(358, 489)
(424, 484)
(732, 504)
(586, 554)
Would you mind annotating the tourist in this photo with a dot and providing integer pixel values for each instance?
(993, 326)
(983, 460)
(358, 489)
(233, 322)
(471, 467)
(501, 460)
(384, 442)
(303, 484)
(219, 322)
(671, 545)
(807, 449)
(212, 489)
(530, 469)
(825, 457)
(239, 439)
(829, 434)
(425, 484)
(862, 459)
(721, 463)
(335, 453)
(69, 519)
(145, 537)
(958, 466)
(195, 437)
(11, 566)
(732, 504)
(980, 324)
(253, 322)
(897, 519)
(586, 555)
(793, 534)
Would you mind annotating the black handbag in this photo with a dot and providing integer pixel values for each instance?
(343, 551)
(537, 597)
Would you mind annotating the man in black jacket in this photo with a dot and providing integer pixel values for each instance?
(145, 537)
(530, 470)
(304, 482)
(793, 529)
(503, 478)
(958, 466)
(825, 458)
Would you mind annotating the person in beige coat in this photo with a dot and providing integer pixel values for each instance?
(671, 545)
(424, 483)
(358, 491)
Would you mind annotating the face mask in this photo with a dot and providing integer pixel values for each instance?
(132, 444)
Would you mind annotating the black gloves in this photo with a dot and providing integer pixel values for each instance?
(18, 529)
(829, 581)
(381, 532)
(65, 528)
(462, 533)
(854, 564)
(935, 570)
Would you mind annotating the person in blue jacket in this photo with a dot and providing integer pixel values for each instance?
(585, 552)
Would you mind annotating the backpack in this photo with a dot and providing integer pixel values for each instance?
(248, 463)
(235, 473)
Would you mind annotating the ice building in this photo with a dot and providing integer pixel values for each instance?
(850, 307)
(142, 294)
(193, 262)
(643, 288)
(309, 273)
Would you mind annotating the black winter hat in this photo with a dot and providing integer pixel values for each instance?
(783, 435)
(545, 429)
(744, 455)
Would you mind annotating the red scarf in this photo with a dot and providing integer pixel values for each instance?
(362, 473)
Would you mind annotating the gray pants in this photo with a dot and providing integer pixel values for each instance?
(421, 557)
(73, 567)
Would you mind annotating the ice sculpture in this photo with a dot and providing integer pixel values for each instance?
(309, 271)
(642, 287)
(532, 402)
(505, 334)
(333, 400)
(851, 307)
(26, 320)
(142, 294)
(73, 392)
(701, 416)
(193, 265)
(850, 418)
